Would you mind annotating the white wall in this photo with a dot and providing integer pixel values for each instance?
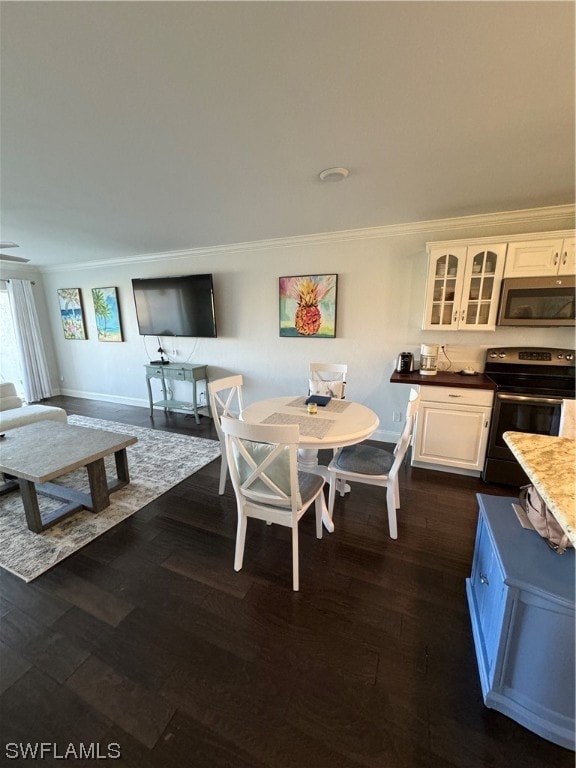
(381, 284)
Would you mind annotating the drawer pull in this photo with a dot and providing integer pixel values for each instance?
(450, 395)
(484, 579)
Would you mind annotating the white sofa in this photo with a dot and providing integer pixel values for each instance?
(14, 414)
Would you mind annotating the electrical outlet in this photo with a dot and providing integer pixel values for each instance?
(396, 416)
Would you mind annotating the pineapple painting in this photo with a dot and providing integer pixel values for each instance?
(308, 306)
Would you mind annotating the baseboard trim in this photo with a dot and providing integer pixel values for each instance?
(450, 470)
(139, 402)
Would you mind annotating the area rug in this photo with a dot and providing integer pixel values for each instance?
(157, 462)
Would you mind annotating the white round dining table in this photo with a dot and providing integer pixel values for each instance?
(340, 423)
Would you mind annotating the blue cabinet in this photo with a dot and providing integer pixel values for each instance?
(521, 600)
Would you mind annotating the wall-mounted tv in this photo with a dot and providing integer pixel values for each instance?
(175, 306)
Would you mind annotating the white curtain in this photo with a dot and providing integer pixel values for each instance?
(27, 329)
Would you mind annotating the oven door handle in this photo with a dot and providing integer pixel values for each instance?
(529, 400)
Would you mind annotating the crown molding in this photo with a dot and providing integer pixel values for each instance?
(528, 216)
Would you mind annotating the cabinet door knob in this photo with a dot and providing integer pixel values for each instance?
(484, 579)
(564, 258)
(556, 255)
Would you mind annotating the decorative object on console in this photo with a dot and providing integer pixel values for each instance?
(308, 306)
(107, 313)
(72, 313)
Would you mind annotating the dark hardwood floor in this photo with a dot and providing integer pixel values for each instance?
(149, 640)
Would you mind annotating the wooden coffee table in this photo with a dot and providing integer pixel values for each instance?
(45, 450)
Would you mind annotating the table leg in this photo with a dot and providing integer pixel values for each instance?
(164, 392)
(150, 400)
(308, 462)
(31, 508)
(195, 399)
(121, 459)
(99, 493)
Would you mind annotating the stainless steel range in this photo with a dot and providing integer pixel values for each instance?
(531, 384)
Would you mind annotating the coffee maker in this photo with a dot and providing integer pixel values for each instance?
(428, 359)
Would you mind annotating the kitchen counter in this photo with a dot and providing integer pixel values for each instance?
(445, 379)
(549, 463)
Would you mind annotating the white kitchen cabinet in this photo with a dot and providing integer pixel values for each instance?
(538, 258)
(452, 429)
(463, 286)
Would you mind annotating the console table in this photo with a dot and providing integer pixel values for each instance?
(177, 372)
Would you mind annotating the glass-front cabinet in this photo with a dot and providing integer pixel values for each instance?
(463, 286)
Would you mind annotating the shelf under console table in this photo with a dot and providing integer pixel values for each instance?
(177, 372)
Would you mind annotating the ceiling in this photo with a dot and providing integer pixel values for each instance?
(131, 128)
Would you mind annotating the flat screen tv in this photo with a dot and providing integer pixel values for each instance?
(175, 306)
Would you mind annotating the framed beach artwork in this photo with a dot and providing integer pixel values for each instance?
(107, 314)
(72, 313)
(308, 306)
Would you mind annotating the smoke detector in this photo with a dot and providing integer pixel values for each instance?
(333, 174)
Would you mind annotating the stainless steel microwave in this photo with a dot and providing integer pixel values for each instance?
(537, 301)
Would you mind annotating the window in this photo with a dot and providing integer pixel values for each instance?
(10, 369)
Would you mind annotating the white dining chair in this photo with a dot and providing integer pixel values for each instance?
(263, 463)
(363, 463)
(328, 379)
(225, 400)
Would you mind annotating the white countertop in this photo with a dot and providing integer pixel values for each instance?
(550, 464)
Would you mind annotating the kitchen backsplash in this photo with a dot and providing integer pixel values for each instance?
(455, 357)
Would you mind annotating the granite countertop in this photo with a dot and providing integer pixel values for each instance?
(445, 379)
(549, 463)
